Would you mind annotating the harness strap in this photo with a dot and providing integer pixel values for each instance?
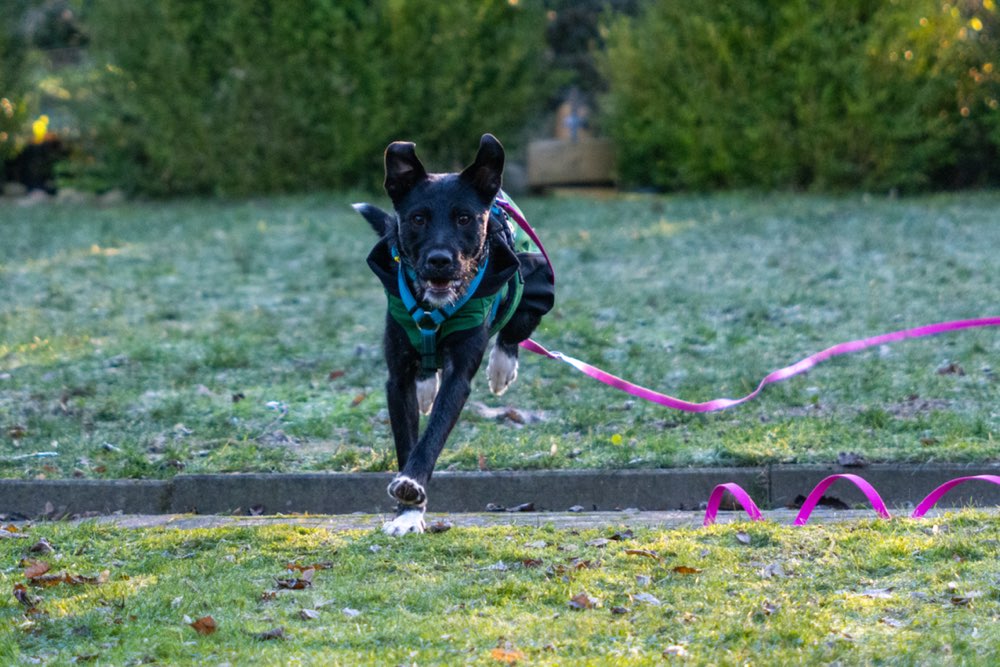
(428, 322)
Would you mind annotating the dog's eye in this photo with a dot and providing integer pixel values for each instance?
(463, 219)
(418, 218)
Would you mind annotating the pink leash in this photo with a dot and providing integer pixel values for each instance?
(722, 403)
(753, 512)
(737, 492)
(776, 376)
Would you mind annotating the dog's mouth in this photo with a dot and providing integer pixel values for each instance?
(441, 291)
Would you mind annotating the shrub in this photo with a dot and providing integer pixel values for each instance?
(13, 79)
(272, 95)
(859, 93)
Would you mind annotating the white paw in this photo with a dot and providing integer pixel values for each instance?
(407, 491)
(410, 521)
(502, 370)
(427, 390)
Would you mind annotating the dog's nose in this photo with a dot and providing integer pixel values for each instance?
(439, 260)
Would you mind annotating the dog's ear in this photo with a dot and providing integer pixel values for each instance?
(486, 173)
(376, 217)
(403, 170)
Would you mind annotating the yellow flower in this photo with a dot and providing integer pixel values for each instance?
(40, 128)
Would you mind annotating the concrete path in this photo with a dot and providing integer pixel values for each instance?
(653, 491)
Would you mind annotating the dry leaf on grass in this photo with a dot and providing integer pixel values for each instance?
(675, 651)
(582, 601)
(298, 567)
(270, 635)
(297, 584)
(35, 568)
(507, 655)
(439, 527)
(204, 626)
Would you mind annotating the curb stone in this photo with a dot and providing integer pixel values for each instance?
(591, 490)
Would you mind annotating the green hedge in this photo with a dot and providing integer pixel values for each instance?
(856, 93)
(255, 96)
(13, 80)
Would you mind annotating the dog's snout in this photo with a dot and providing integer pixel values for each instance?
(439, 260)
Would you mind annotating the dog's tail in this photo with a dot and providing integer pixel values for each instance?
(376, 217)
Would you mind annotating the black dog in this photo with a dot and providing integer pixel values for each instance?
(453, 278)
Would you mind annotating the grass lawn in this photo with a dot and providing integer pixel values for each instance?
(868, 592)
(148, 338)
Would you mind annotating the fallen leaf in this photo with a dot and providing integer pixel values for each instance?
(576, 508)
(952, 368)
(582, 601)
(536, 545)
(531, 562)
(298, 567)
(47, 580)
(17, 432)
(297, 584)
(675, 651)
(643, 579)
(356, 401)
(892, 622)
(647, 598)
(523, 507)
(851, 460)
(335, 374)
(36, 568)
(770, 608)
(439, 527)
(623, 535)
(205, 625)
(269, 635)
(743, 538)
(350, 613)
(600, 542)
(642, 552)
(42, 546)
(773, 570)
(308, 614)
(684, 569)
(22, 595)
(877, 593)
(620, 611)
(508, 656)
(516, 416)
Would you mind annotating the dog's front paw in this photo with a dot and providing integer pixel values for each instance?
(407, 491)
(408, 521)
(502, 370)
(427, 390)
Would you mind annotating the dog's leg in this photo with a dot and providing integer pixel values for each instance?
(502, 368)
(400, 390)
(409, 487)
(427, 389)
